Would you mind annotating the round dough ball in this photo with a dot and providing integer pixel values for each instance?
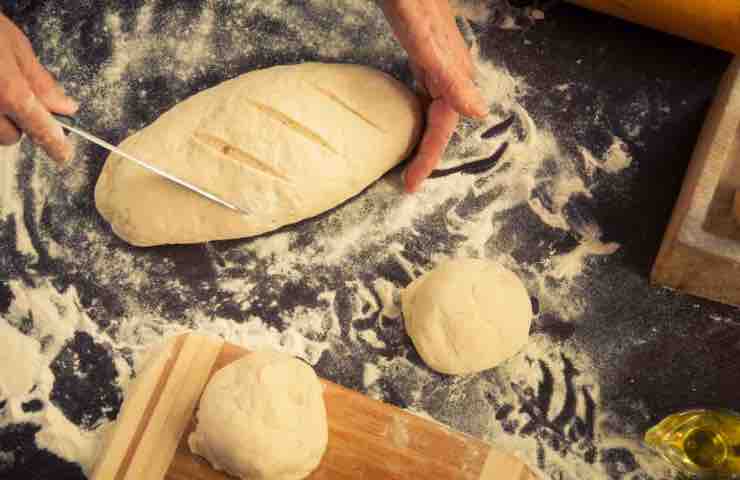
(467, 315)
(263, 417)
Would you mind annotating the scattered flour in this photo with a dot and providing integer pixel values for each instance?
(55, 318)
(723, 320)
(536, 14)
(500, 14)
(25, 351)
(372, 339)
(567, 422)
(616, 158)
(9, 195)
(370, 375)
(478, 12)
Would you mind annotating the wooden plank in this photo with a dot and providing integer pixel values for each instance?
(120, 443)
(157, 410)
(700, 252)
(175, 407)
(367, 438)
(692, 270)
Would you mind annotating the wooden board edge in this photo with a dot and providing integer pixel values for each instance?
(175, 407)
(128, 426)
(665, 263)
(157, 409)
(498, 460)
(702, 274)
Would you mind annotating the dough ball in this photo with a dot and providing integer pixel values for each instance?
(262, 417)
(284, 143)
(467, 315)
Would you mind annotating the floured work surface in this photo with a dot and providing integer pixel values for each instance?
(575, 206)
(701, 249)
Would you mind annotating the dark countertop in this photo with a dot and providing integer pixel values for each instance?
(653, 352)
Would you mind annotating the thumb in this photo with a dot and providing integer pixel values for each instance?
(41, 82)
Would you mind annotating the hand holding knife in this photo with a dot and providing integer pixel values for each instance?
(29, 96)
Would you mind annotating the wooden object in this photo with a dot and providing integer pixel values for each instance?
(367, 438)
(700, 253)
(713, 22)
(158, 408)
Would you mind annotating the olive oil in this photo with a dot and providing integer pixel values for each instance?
(705, 443)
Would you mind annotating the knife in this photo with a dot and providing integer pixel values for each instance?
(70, 124)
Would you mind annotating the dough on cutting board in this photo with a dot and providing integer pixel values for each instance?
(286, 143)
(467, 315)
(262, 417)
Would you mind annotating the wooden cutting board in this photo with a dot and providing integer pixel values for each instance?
(367, 438)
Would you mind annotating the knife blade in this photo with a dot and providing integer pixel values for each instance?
(69, 124)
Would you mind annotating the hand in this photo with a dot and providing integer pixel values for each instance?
(28, 93)
(443, 67)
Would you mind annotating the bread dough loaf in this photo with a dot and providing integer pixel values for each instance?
(286, 143)
(262, 417)
(467, 315)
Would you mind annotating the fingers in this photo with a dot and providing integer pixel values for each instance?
(9, 134)
(413, 23)
(27, 93)
(454, 81)
(26, 111)
(41, 82)
(427, 30)
(441, 122)
(443, 67)
(420, 84)
(460, 49)
(21, 106)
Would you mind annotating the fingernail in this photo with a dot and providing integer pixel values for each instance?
(68, 152)
(74, 105)
(59, 148)
(71, 102)
(480, 107)
(407, 187)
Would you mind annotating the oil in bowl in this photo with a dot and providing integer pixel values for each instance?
(705, 443)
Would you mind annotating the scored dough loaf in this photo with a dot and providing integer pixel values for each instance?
(286, 143)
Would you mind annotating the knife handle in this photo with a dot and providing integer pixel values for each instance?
(64, 119)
